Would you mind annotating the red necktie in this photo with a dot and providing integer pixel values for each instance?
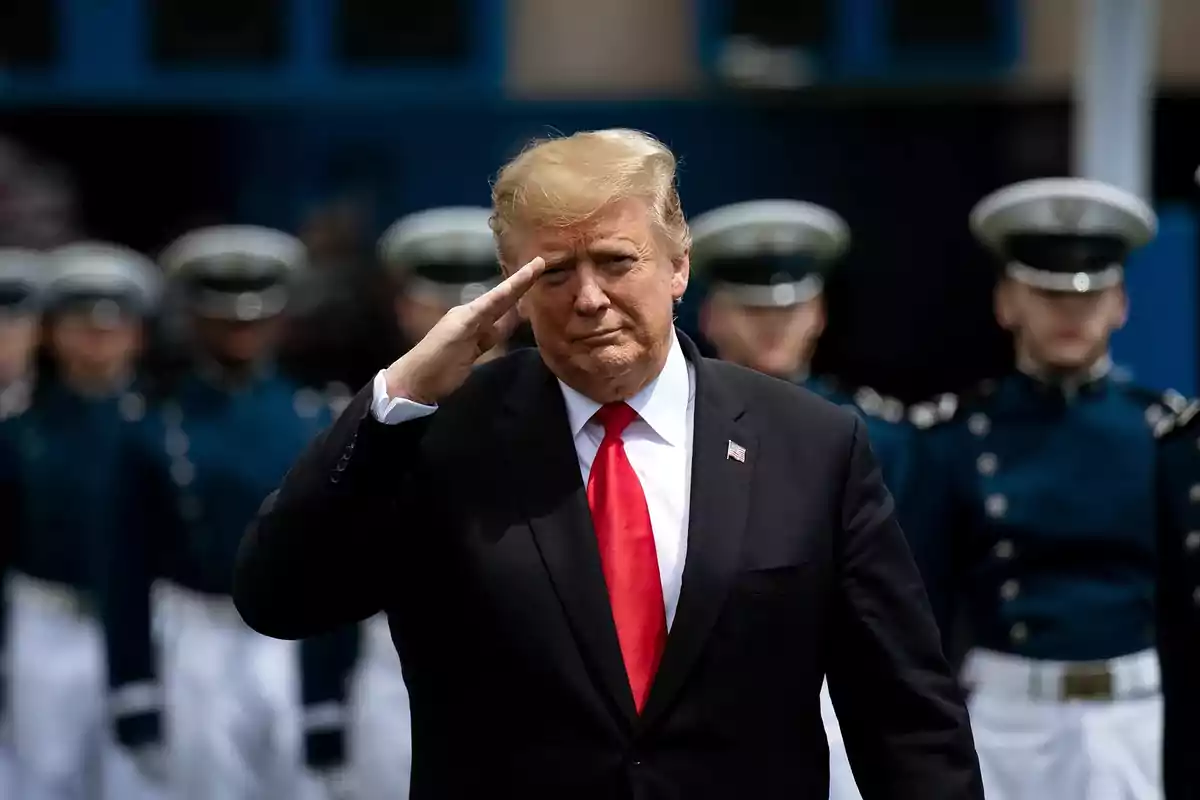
(627, 555)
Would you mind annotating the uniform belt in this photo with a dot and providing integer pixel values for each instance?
(1003, 674)
(58, 598)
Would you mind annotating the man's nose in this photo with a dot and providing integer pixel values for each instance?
(591, 297)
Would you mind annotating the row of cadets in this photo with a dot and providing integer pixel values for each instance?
(21, 282)
(766, 263)
(61, 457)
(1035, 521)
(195, 471)
(21, 278)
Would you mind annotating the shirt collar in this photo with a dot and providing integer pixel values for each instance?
(1070, 383)
(662, 404)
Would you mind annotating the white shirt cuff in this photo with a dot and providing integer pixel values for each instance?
(394, 410)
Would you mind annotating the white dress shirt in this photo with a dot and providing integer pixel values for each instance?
(658, 444)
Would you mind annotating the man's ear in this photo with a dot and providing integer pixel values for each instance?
(681, 273)
(1121, 312)
(1004, 304)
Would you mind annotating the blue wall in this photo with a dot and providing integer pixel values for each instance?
(1158, 344)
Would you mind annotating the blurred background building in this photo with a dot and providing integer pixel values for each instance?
(135, 120)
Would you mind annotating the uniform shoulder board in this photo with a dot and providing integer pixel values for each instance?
(338, 396)
(15, 400)
(935, 411)
(307, 403)
(874, 404)
(132, 406)
(1178, 423)
(949, 406)
(1169, 400)
(1161, 408)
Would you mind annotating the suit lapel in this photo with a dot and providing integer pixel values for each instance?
(555, 503)
(720, 499)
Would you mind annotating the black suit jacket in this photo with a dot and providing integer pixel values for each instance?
(471, 529)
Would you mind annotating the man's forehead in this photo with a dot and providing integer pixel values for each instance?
(621, 222)
(589, 239)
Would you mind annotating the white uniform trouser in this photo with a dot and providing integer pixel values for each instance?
(8, 787)
(841, 779)
(380, 734)
(233, 703)
(62, 741)
(1033, 744)
(8, 779)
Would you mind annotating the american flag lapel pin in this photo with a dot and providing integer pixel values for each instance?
(735, 451)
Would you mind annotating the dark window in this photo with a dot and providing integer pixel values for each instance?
(28, 33)
(807, 24)
(934, 24)
(208, 32)
(382, 33)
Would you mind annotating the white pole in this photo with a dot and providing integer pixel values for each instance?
(1114, 92)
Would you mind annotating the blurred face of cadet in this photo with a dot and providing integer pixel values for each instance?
(777, 341)
(1062, 331)
(90, 353)
(18, 338)
(236, 343)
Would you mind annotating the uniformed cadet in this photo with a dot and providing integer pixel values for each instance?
(21, 276)
(197, 470)
(438, 259)
(1179, 600)
(21, 279)
(66, 450)
(765, 262)
(1041, 519)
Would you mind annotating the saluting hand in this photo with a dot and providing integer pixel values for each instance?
(443, 359)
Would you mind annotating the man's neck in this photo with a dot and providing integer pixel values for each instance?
(104, 384)
(230, 376)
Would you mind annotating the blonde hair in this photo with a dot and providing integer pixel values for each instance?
(564, 181)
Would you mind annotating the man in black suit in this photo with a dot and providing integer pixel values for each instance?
(613, 568)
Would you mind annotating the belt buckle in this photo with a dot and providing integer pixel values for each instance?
(1087, 681)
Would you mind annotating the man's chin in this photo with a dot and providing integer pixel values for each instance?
(1069, 360)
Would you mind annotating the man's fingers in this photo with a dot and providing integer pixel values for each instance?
(503, 328)
(492, 305)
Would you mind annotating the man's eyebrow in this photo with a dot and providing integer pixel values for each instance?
(563, 261)
(612, 246)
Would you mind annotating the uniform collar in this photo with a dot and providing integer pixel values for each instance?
(662, 404)
(122, 385)
(1069, 384)
(217, 377)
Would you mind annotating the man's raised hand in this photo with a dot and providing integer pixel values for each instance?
(441, 361)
